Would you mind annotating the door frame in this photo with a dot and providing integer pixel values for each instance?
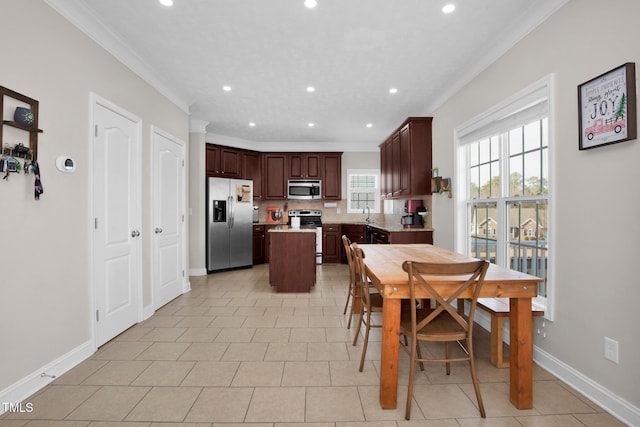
(186, 284)
(94, 100)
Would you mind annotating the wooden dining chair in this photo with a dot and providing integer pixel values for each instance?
(351, 291)
(442, 323)
(371, 302)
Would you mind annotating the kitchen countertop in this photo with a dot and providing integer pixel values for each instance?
(389, 227)
(289, 229)
(382, 226)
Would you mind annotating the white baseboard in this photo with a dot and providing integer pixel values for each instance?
(35, 381)
(613, 404)
(197, 272)
(186, 287)
(147, 312)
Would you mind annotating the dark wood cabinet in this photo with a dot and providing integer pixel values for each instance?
(267, 241)
(223, 162)
(406, 160)
(275, 177)
(212, 160)
(332, 176)
(396, 164)
(292, 266)
(386, 169)
(380, 237)
(404, 237)
(356, 233)
(331, 244)
(304, 165)
(252, 169)
(271, 171)
(259, 240)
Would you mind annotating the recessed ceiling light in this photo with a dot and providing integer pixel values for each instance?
(311, 125)
(311, 89)
(310, 4)
(167, 3)
(226, 88)
(252, 124)
(369, 125)
(448, 8)
(393, 90)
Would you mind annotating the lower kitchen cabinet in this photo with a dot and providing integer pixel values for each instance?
(380, 237)
(331, 244)
(259, 240)
(398, 237)
(356, 233)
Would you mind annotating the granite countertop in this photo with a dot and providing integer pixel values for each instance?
(289, 229)
(389, 226)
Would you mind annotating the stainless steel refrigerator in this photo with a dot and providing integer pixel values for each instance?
(229, 223)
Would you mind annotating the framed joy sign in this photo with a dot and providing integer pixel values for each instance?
(607, 107)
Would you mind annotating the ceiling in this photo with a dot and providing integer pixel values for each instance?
(269, 51)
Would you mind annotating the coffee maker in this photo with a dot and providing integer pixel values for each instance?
(414, 213)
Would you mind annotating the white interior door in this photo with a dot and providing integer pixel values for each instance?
(117, 241)
(169, 192)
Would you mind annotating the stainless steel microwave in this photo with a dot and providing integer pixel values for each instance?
(304, 189)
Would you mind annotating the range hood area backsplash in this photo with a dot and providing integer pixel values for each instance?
(393, 210)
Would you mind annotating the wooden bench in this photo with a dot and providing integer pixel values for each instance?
(498, 308)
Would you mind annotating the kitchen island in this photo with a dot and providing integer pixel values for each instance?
(292, 260)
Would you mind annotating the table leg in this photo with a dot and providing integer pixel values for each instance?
(521, 349)
(390, 353)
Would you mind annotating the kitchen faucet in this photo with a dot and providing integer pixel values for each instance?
(368, 220)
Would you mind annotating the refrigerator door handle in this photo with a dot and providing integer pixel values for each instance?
(232, 211)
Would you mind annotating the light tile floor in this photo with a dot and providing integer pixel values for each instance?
(234, 351)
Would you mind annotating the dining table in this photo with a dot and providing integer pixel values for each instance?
(383, 265)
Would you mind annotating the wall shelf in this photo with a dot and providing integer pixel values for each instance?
(32, 130)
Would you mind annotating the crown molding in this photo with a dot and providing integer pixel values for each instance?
(77, 13)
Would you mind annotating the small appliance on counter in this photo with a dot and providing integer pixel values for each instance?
(274, 215)
(414, 214)
(256, 214)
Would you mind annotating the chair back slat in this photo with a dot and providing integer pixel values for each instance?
(471, 274)
(361, 275)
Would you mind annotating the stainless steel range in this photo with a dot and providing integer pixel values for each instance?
(310, 218)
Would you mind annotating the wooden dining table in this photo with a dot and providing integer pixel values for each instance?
(383, 264)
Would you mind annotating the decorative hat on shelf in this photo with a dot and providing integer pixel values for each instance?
(24, 116)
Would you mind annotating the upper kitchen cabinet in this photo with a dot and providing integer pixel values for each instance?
(275, 176)
(304, 165)
(252, 169)
(332, 176)
(405, 160)
(223, 162)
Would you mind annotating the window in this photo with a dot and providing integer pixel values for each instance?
(363, 189)
(503, 170)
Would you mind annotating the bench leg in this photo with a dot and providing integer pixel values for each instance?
(497, 344)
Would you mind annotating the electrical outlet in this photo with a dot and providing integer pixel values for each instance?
(611, 349)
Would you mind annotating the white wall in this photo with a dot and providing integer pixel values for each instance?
(45, 256)
(596, 201)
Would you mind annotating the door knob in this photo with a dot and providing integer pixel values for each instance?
(158, 230)
(135, 233)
